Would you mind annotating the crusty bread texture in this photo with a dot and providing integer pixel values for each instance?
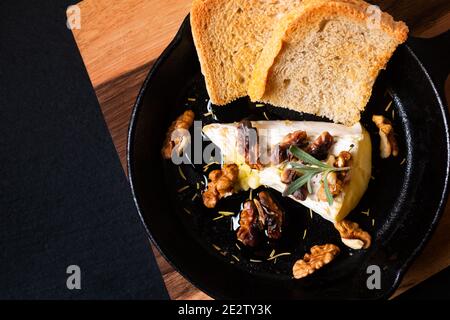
(324, 58)
(229, 36)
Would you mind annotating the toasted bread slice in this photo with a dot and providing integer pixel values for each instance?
(324, 59)
(229, 36)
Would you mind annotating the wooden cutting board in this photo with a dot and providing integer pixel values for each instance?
(120, 40)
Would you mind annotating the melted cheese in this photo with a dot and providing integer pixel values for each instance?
(356, 139)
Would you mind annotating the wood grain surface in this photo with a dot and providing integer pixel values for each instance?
(120, 40)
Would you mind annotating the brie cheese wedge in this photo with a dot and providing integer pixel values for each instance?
(354, 139)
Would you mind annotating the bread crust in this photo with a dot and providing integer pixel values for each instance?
(199, 19)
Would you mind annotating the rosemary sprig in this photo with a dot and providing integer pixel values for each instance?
(308, 170)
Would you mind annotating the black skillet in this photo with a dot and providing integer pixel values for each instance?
(405, 198)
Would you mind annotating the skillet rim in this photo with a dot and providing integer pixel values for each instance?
(400, 272)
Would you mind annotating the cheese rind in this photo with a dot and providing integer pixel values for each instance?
(354, 139)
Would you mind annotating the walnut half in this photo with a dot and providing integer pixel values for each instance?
(249, 225)
(320, 147)
(352, 235)
(319, 257)
(221, 184)
(274, 215)
(334, 184)
(388, 143)
(178, 140)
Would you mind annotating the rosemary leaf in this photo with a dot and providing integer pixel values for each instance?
(307, 158)
(302, 167)
(297, 184)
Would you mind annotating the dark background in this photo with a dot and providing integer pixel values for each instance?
(64, 198)
(436, 287)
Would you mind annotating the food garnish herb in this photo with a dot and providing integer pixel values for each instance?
(279, 255)
(308, 170)
(223, 214)
(183, 189)
(180, 171)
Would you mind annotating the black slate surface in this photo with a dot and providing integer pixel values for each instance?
(64, 199)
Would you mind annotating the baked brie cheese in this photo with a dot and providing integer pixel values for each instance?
(270, 135)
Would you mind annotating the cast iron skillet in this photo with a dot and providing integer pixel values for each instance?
(405, 198)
